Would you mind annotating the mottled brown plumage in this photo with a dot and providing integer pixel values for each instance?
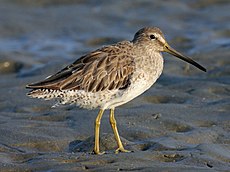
(110, 76)
(107, 68)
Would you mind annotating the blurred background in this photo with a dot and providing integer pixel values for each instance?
(181, 123)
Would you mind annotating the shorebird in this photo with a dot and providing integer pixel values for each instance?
(110, 76)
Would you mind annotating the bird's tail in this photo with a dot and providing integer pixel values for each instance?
(46, 94)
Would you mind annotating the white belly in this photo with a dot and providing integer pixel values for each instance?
(141, 81)
(135, 89)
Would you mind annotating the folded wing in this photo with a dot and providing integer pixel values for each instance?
(108, 68)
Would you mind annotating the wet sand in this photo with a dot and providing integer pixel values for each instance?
(181, 124)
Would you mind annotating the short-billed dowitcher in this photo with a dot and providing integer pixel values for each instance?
(110, 76)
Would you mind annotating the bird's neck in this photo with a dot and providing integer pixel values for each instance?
(150, 62)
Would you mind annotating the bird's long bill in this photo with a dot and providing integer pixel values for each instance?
(175, 53)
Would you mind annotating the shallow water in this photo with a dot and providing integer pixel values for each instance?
(181, 124)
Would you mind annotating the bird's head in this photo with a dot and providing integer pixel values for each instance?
(153, 38)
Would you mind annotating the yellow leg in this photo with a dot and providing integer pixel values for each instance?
(97, 130)
(116, 134)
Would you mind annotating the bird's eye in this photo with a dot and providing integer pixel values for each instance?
(152, 37)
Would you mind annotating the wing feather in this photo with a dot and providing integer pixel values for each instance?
(106, 68)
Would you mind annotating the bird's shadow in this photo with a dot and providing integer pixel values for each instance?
(107, 143)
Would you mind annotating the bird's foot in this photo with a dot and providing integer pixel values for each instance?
(121, 149)
(98, 152)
